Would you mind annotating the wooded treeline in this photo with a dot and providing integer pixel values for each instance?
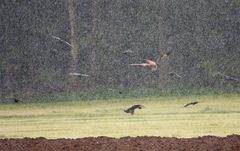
(203, 36)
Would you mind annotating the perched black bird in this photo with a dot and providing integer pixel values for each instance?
(192, 103)
(16, 100)
(131, 109)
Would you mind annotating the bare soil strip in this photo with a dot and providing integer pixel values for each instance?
(143, 143)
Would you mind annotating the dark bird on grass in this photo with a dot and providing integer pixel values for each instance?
(131, 109)
(174, 74)
(150, 64)
(16, 100)
(78, 74)
(191, 103)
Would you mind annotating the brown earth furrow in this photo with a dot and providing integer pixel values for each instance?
(142, 143)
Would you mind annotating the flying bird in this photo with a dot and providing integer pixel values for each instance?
(131, 109)
(150, 64)
(78, 74)
(174, 74)
(191, 103)
(229, 78)
(58, 38)
(128, 51)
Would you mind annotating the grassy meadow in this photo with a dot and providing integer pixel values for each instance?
(162, 116)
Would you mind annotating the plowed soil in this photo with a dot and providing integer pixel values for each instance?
(143, 143)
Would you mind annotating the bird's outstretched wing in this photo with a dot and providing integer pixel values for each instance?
(128, 51)
(58, 38)
(138, 64)
(174, 73)
(132, 108)
(78, 74)
(162, 56)
(150, 62)
(229, 78)
(138, 106)
(191, 103)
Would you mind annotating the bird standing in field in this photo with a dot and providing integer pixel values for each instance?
(16, 100)
(191, 103)
(150, 64)
(131, 109)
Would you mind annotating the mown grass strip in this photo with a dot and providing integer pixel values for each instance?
(162, 116)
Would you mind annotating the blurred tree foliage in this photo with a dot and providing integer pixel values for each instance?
(202, 34)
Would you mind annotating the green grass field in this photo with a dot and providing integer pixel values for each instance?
(162, 116)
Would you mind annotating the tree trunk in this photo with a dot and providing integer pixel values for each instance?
(94, 38)
(74, 50)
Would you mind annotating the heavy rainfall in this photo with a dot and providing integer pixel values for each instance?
(41, 46)
(74, 60)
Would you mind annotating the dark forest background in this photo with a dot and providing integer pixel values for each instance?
(203, 36)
